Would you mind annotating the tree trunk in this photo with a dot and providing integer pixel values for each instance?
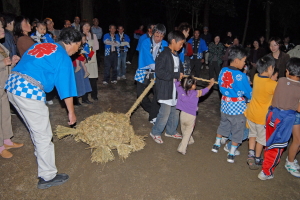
(246, 24)
(193, 13)
(171, 15)
(123, 18)
(87, 10)
(11, 6)
(197, 15)
(268, 5)
(284, 30)
(169, 19)
(206, 14)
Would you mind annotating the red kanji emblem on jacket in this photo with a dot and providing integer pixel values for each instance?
(227, 80)
(40, 50)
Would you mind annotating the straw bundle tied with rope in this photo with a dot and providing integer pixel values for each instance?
(108, 131)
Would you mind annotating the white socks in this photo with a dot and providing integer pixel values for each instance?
(232, 150)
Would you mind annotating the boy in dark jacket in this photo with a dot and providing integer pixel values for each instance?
(168, 68)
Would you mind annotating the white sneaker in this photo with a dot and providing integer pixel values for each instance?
(114, 82)
(118, 78)
(105, 83)
(157, 139)
(202, 66)
(296, 164)
(123, 77)
(176, 136)
(153, 121)
(128, 62)
(264, 177)
(207, 67)
(292, 169)
(223, 140)
(49, 102)
(236, 153)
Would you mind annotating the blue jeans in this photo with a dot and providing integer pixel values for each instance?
(122, 64)
(297, 121)
(168, 118)
(246, 133)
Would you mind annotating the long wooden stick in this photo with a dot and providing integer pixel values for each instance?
(201, 79)
(140, 99)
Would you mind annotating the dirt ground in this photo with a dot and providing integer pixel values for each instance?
(156, 172)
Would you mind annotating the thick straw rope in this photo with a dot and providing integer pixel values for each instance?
(139, 100)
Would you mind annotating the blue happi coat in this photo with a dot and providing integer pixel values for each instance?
(108, 47)
(234, 86)
(49, 64)
(202, 47)
(146, 58)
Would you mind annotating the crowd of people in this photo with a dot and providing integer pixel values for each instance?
(259, 101)
(258, 85)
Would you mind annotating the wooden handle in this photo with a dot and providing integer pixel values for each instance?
(201, 79)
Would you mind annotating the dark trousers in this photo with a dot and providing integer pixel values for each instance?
(214, 68)
(152, 107)
(132, 50)
(196, 66)
(98, 54)
(50, 95)
(110, 62)
(94, 92)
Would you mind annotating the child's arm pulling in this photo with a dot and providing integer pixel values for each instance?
(205, 90)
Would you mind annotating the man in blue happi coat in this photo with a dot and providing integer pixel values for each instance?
(149, 51)
(43, 66)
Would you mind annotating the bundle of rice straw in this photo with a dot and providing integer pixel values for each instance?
(107, 131)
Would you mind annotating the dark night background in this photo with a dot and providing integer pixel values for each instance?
(144, 11)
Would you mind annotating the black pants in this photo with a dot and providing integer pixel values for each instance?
(98, 54)
(132, 50)
(187, 65)
(152, 107)
(196, 66)
(50, 95)
(94, 92)
(214, 67)
(110, 62)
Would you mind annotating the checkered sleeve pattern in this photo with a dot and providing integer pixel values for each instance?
(199, 55)
(107, 51)
(233, 108)
(17, 85)
(140, 75)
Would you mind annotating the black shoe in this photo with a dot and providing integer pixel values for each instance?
(95, 99)
(230, 158)
(12, 112)
(77, 104)
(215, 148)
(87, 102)
(57, 180)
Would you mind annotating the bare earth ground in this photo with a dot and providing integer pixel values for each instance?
(157, 172)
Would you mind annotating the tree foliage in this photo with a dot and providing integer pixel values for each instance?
(218, 7)
(285, 12)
